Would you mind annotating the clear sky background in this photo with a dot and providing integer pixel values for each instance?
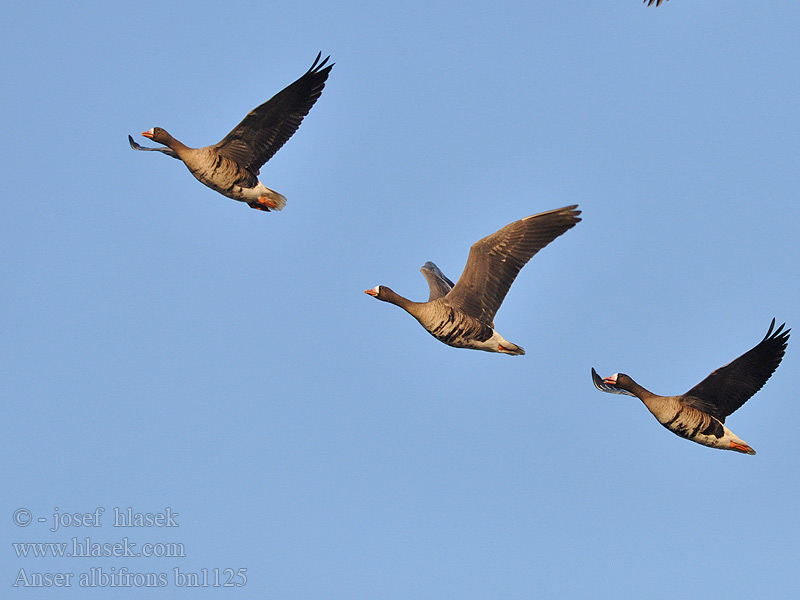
(164, 346)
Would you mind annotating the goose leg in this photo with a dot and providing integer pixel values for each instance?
(263, 203)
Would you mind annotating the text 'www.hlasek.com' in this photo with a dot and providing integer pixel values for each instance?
(83, 540)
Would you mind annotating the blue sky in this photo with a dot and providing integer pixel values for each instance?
(164, 346)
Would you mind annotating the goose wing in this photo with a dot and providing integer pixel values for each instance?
(607, 387)
(727, 388)
(267, 127)
(438, 282)
(495, 261)
(167, 151)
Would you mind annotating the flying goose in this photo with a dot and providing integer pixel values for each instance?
(231, 166)
(699, 414)
(462, 314)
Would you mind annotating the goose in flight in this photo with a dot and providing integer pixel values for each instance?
(231, 166)
(699, 414)
(462, 314)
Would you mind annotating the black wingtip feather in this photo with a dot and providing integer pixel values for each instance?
(779, 334)
(771, 326)
(168, 151)
(317, 66)
(600, 384)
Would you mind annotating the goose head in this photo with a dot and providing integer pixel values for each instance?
(618, 383)
(620, 380)
(379, 292)
(157, 134)
(387, 294)
(622, 383)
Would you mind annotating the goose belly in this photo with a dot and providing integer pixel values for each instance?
(226, 177)
(460, 331)
(226, 187)
(701, 428)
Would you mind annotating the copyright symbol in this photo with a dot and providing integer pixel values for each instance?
(22, 517)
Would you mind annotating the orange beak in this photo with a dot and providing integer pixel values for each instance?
(372, 293)
(610, 380)
(148, 134)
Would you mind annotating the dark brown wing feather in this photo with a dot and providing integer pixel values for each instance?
(266, 128)
(650, 2)
(727, 388)
(438, 282)
(167, 151)
(495, 260)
